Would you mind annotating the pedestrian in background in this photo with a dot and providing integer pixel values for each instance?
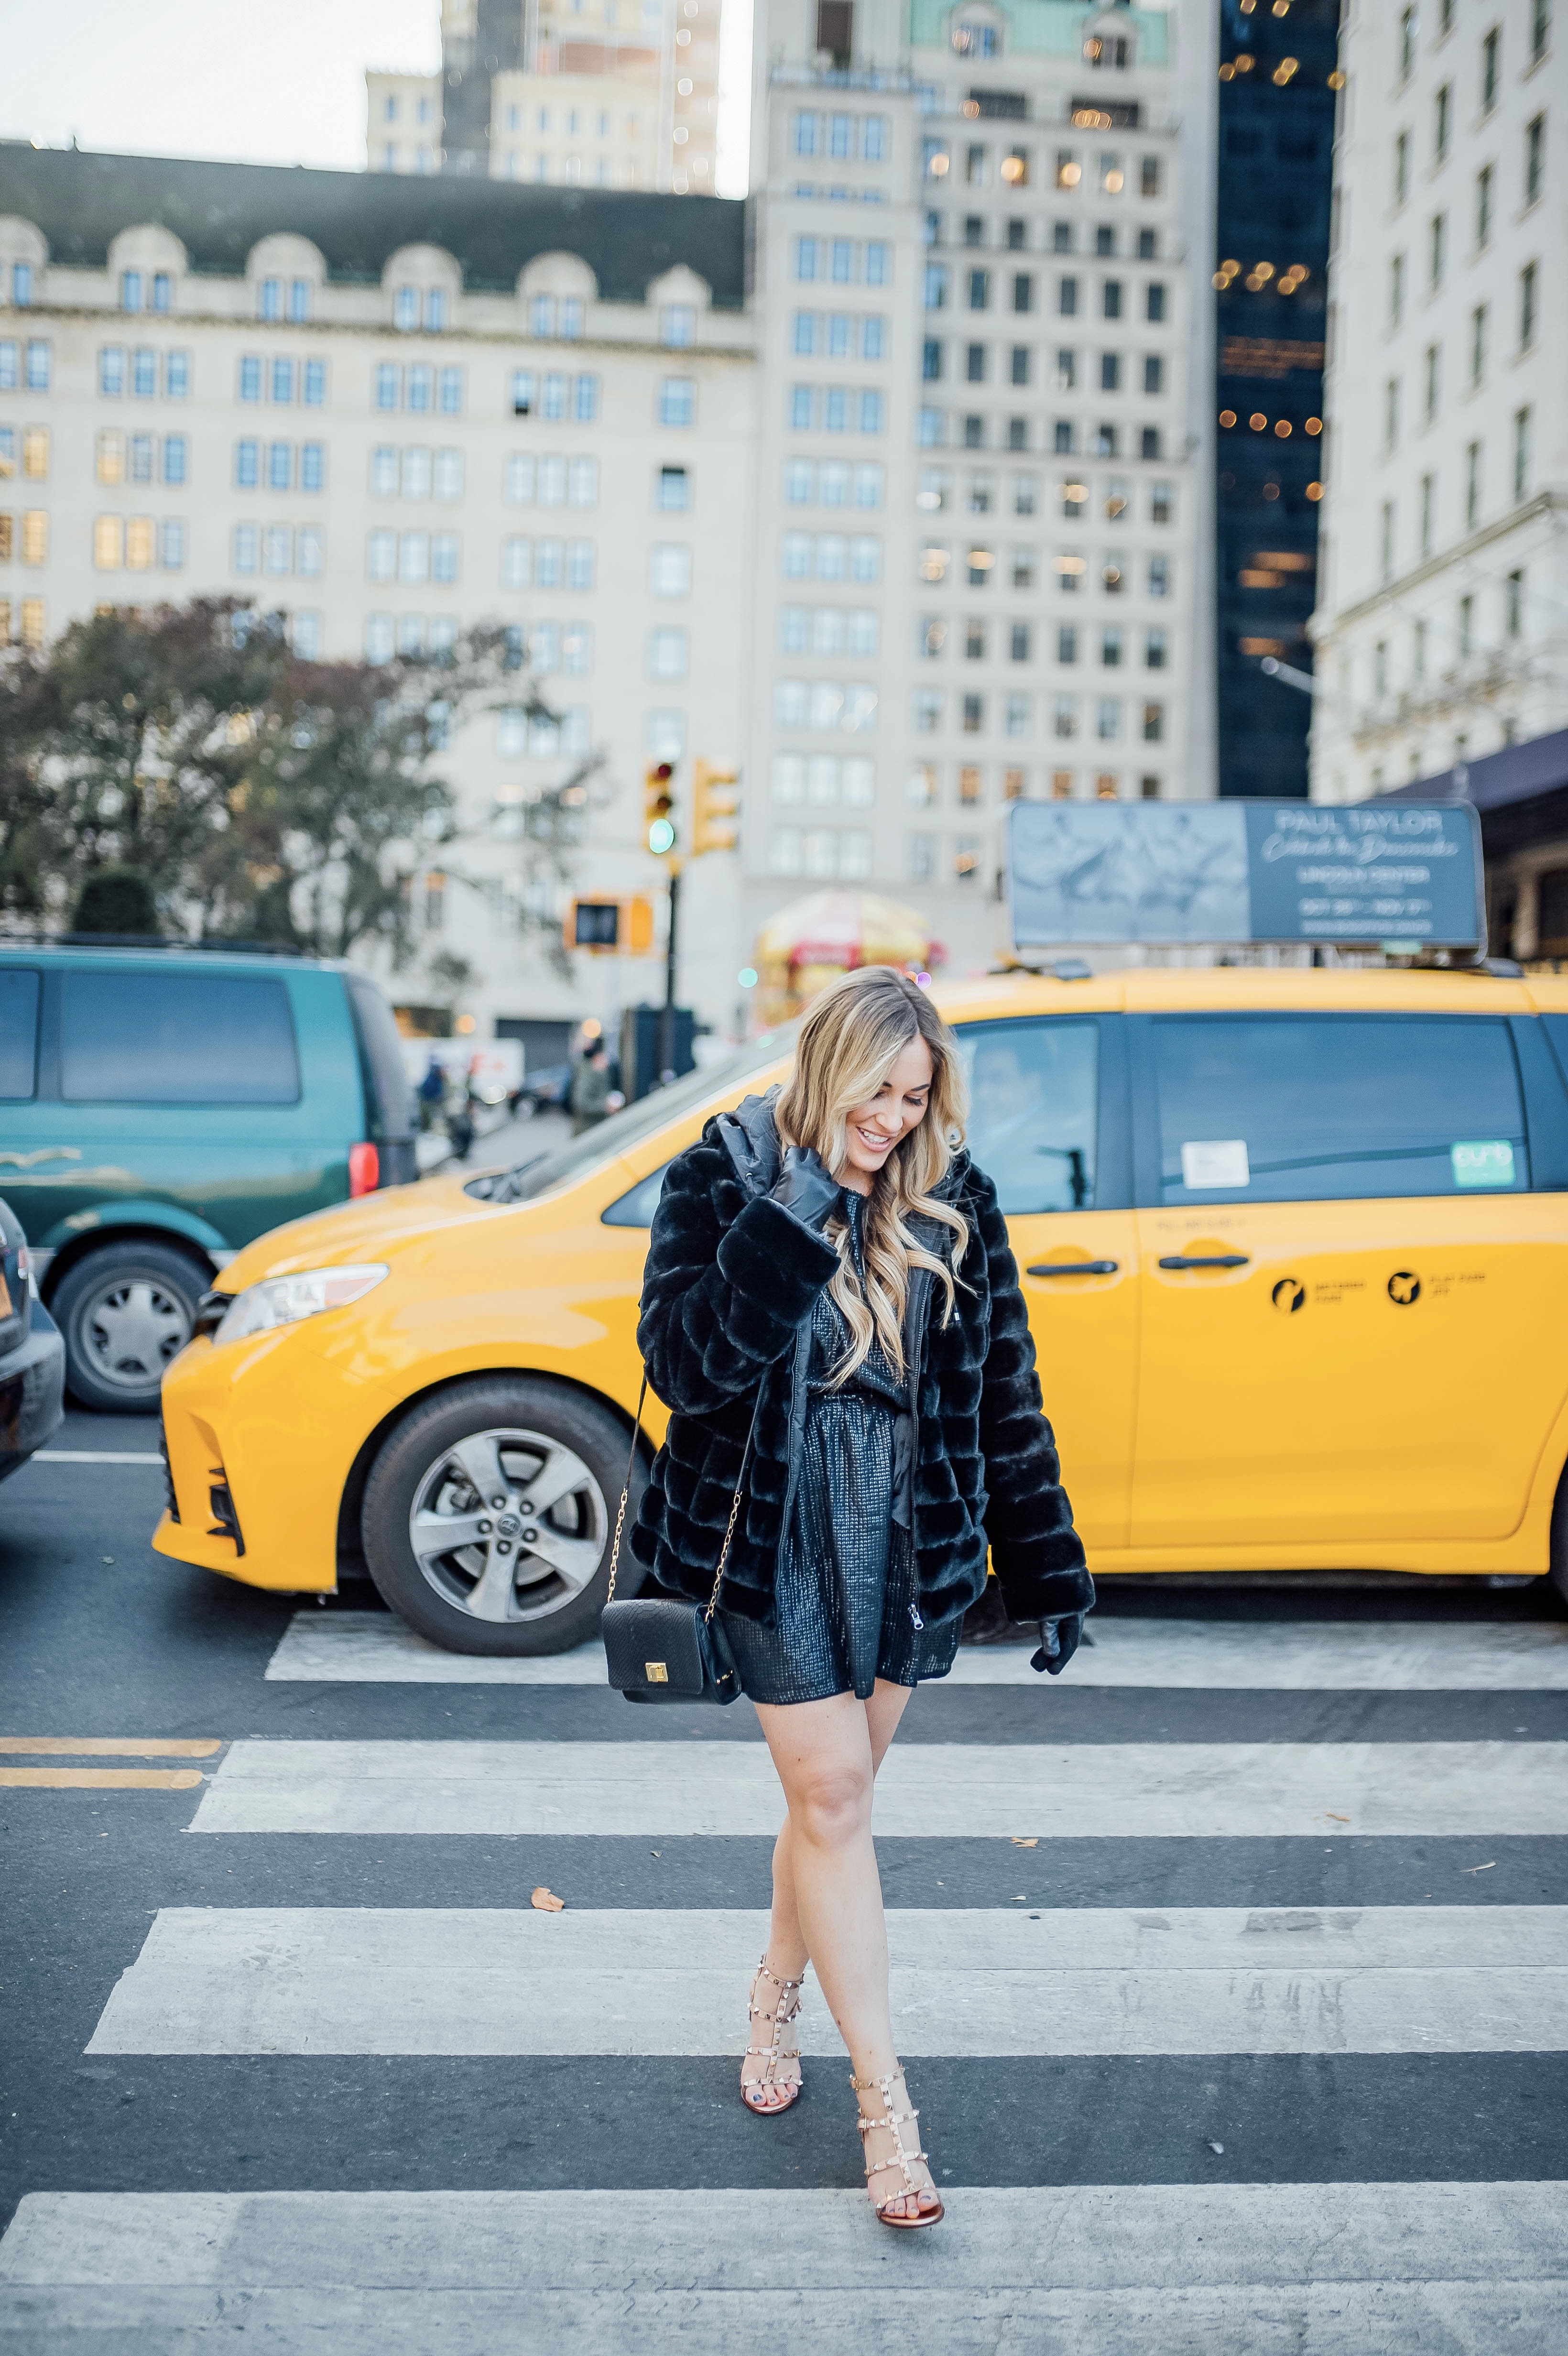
(831, 1311)
(590, 1089)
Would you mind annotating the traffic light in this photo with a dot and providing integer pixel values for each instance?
(658, 808)
(620, 927)
(716, 809)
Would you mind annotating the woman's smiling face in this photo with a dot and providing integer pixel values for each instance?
(873, 1129)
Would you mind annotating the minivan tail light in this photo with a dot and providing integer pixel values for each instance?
(364, 1169)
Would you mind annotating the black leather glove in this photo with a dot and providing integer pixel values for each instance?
(1058, 1640)
(803, 1188)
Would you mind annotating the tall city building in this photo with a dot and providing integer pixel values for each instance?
(983, 542)
(1277, 76)
(572, 94)
(1442, 622)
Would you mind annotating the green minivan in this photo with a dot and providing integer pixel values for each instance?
(159, 1108)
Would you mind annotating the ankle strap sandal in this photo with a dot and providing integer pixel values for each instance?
(895, 2122)
(775, 2053)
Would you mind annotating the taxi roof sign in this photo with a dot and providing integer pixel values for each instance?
(1349, 874)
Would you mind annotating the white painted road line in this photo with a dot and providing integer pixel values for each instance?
(1488, 1655)
(1461, 1979)
(92, 1456)
(955, 1791)
(1246, 2270)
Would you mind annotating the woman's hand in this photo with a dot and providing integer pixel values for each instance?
(804, 1187)
(1058, 1640)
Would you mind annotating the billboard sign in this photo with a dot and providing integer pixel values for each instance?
(1350, 873)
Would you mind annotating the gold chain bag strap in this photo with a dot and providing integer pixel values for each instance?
(665, 1647)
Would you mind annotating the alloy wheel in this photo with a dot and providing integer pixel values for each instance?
(509, 1524)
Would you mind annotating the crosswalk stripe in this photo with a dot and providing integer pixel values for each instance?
(964, 1982)
(1223, 2270)
(930, 1790)
(373, 1647)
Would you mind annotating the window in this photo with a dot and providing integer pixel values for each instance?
(1111, 649)
(1472, 484)
(111, 373)
(176, 375)
(1020, 716)
(670, 571)
(1401, 171)
(1442, 120)
(1153, 722)
(1067, 298)
(1483, 207)
(974, 715)
(22, 284)
(418, 384)
(1336, 1107)
(979, 290)
(1515, 586)
(1110, 373)
(1527, 292)
(175, 459)
(1019, 647)
(678, 401)
(247, 465)
(386, 386)
(1438, 244)
(1477, 345)
(1534, 158)
(677, 325)
(176, 1039)
(1521, 452)
(975, 364)
(312, 465)
(1154, 378)
(666, 654)
(1033, 1097)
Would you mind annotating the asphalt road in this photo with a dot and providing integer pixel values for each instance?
(1231, 1969)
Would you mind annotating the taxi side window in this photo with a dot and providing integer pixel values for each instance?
(1033, 1093)
(636, 1208)
(1335, 1108)
(19, 1033)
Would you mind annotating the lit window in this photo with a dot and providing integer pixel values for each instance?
(107, 543)
(111, 465)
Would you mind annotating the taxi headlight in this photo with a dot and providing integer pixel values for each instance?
(285, 1300)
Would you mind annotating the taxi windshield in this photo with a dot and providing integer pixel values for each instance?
(612, 1137)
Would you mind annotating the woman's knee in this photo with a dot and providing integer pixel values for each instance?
(830, 1803)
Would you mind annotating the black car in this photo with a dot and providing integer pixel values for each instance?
(32, 1355)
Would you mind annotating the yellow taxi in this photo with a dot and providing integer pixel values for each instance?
(1295, 1247)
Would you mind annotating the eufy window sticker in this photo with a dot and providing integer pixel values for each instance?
(1483, 1162)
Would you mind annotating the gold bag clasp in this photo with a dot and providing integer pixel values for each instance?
(655, 1672)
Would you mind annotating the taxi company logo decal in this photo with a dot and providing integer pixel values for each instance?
(1404, 1289)
(1288, 1296)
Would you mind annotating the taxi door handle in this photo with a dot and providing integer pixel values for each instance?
(1074, 1267)
(1211, 1259)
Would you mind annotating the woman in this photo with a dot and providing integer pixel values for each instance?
(830, 1302)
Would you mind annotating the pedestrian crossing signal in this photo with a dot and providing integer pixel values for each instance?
(621, 928)
(658, 808)
(716, 809)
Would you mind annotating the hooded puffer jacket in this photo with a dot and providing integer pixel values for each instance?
(728, 1291)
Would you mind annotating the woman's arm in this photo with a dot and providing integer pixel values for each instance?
(1038, 1554)
(722, 1303)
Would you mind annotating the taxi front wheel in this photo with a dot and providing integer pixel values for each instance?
(488, 1515)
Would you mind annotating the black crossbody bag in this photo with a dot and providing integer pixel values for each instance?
(665, 1647)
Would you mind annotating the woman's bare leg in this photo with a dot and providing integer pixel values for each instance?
(788, 1953)
(827, 1759)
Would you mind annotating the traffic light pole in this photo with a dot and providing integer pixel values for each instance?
(666, 1022)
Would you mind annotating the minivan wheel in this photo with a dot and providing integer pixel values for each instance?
(125, 1310)
(488, 1515)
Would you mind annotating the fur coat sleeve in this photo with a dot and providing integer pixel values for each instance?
(728, 1281)
(1038, 1554)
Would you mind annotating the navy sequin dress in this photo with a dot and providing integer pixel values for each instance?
(845, 1602)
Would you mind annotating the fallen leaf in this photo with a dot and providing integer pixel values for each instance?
(1479, 1868)
(1024, 1844)
(1216, 2147)
(546, 1901)
(1337, 1818)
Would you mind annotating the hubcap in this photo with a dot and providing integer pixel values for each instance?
(509, 1524)
(131, 1330)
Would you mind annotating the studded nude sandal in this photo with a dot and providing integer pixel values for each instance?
(775, 2053)
(894, 2122)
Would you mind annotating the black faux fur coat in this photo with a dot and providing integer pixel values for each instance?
(728, 1291)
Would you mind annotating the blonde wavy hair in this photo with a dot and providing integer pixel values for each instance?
(848, 1043)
